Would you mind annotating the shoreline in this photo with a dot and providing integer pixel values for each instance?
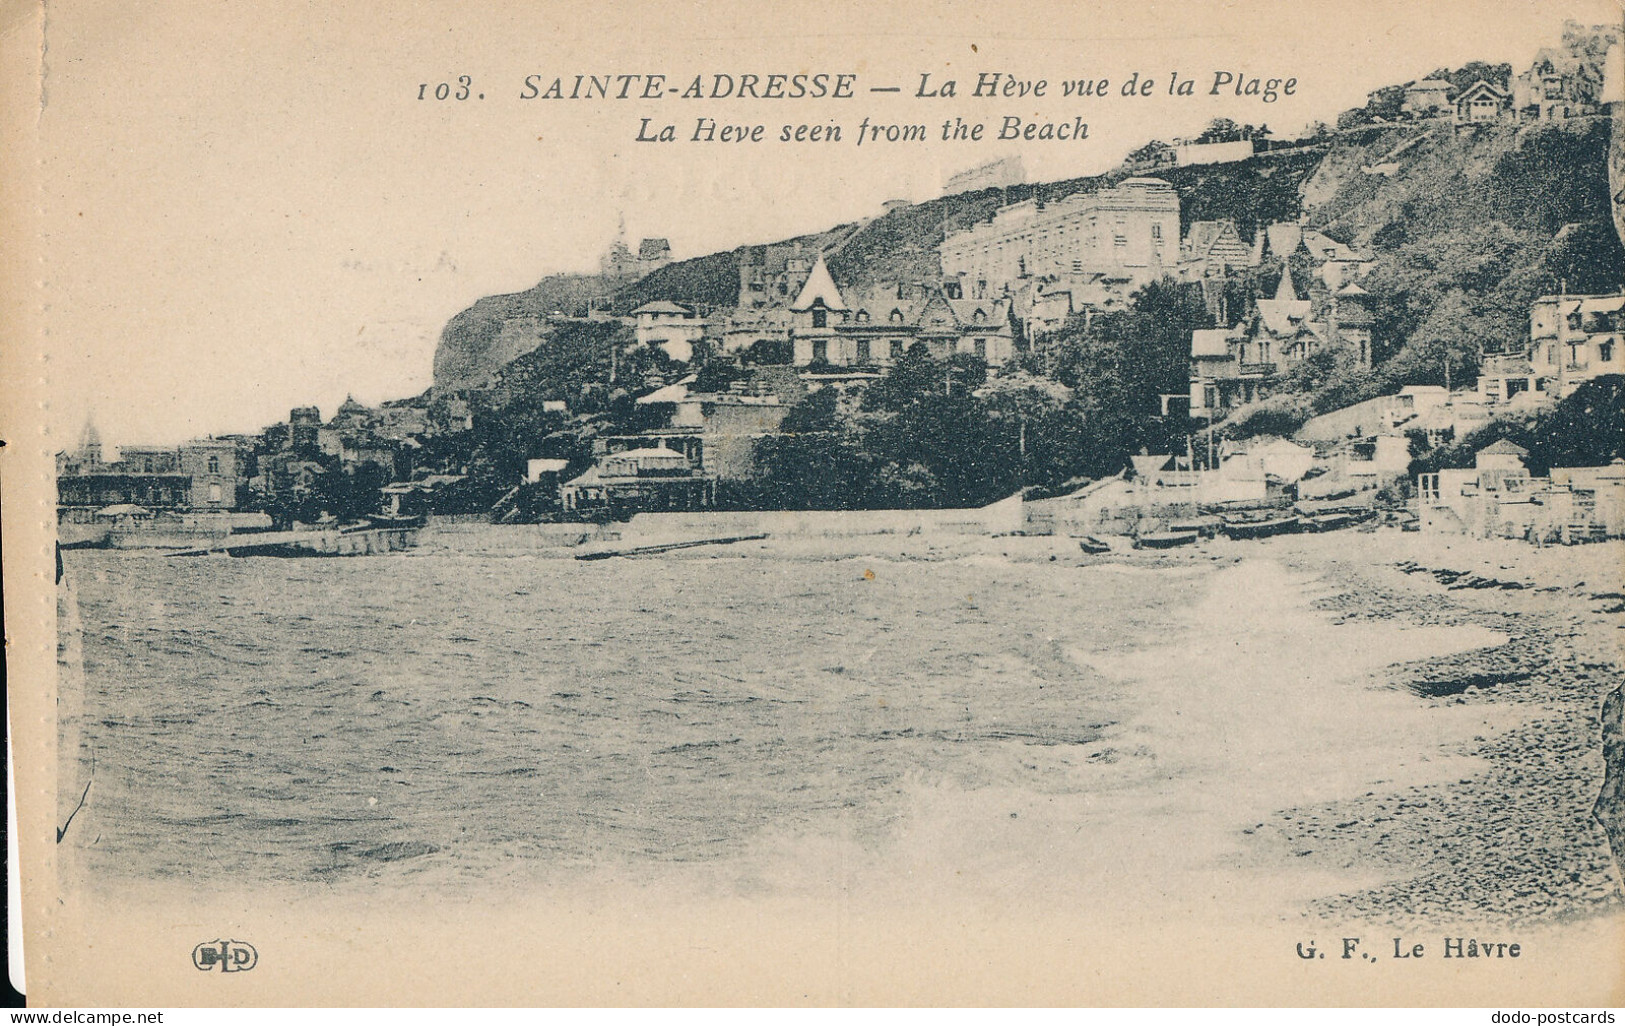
(1349, 644)
(1516, 841)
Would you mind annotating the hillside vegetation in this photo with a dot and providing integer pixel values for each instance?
(1467, 230)
(901, 245)
(1465, 226)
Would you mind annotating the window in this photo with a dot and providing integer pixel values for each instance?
(820, 351)
(863, 350)
(1574, 322)
(214, 464)
(820, 318)
(896, 348)
(1156, 231)
(214, 493)
(981, 348)
(863, 317)
(896, 316)
(1605, 351)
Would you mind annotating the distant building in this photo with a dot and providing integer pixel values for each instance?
(670, 326)
(1426, 98)
(542, 471)
(1557, 85)
(995, 174)
(875, 328)
(1129, 233)
(401, 422)
(1573, 339)
(215, 467)
(716, 431)
(638, 481)
(1239, 365)
(1188, 154)
(1481, 102)
(1213, 249)
(653, 254)
(619, 261)
(1499, 498)
(304, 428)
(415, 498)
(1571, 79)
(353, 418)
(770, 276)
(1509, 378)
(1043, 307)
(200, 475)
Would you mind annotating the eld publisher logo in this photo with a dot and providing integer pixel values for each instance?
(229, 955)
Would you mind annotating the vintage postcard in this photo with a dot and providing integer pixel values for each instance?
(782, 504)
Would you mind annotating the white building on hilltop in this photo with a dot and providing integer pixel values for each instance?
(1130, 233)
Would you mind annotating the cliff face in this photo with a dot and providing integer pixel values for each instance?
(499, 329)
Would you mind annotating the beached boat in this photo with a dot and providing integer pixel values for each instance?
(1266, 527)
(1206, 527)
(656, 548)
(1093, 546)
(1165, 539)
(360, 540)
(1336, 520)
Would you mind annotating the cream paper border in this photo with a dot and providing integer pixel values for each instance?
(631, 947)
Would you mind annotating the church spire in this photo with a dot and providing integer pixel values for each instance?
(90, 441)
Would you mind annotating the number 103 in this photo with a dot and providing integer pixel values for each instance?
(445, 91)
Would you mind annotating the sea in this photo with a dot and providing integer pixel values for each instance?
(451, 716)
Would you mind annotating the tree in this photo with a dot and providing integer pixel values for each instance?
(1462, 79)
(1032, 409)
(715, 372)
(1154, 152)
(769, 352)
(1220, 130)
(1120, 364)
(1386, 103)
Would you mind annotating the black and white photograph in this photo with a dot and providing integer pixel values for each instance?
(765, 505)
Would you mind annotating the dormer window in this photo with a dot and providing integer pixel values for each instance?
(896, 316)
